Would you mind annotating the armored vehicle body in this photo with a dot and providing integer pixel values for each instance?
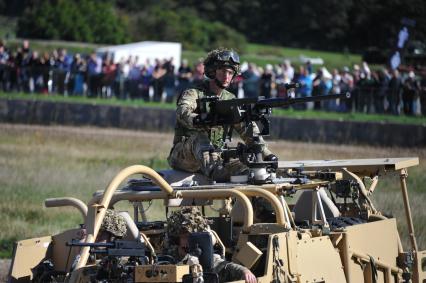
(332, 232)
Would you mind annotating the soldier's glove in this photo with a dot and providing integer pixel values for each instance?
(271, 157)
(201, 120)
(196, 121)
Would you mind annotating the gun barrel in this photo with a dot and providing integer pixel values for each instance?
(280, 102)
(93, 245)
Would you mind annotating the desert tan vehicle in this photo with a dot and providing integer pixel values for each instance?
(331, 233)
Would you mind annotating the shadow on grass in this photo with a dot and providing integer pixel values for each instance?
(6, 247)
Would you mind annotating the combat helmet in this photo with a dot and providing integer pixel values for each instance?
(114, 223)
(187, 220)
(219, 58)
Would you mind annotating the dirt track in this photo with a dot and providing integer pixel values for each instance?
(4, 269)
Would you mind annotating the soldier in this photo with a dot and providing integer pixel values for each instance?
(197, 149)
(180, 224)
(113, 227)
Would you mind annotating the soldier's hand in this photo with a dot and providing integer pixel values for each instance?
(271, 157)
(196, 121)
(249, 277)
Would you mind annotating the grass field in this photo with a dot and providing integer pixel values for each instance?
(265, 54)
(40, 162)
(291, 113)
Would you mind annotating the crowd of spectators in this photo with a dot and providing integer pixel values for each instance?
(372, 91)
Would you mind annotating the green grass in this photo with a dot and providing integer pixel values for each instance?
(50, 45)
(276, 54)
(264, 54)
(39, 164)
(43, 162)
(291, 113)
(7, 27)
(86, 100)
(359, 117)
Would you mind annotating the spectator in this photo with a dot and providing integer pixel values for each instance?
(12, 76)
(288, 70)
(250, 81)
(45, 72)
(22, 59)
(158, 76)
(267, 81)
(382, 89)
(4, 57)
(94, 69)
(134, 79)
(198, 75)
(305, 81)
(119, 80)
(333, 105)
(146, 79)
(184, 76)
(394, 92)
(76, 82)
(34, 72)
(126, 71)
(346, 85)
(309, 68)
(109, 72)
(410, 93)
(169, 80)
(322, 85)
(281, 79)
(305, 89)
(423, 96)
(62, 71)
(366, 86)
(356, 74)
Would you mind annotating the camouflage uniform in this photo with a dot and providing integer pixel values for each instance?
(188, 220)
(198, 148)
(227, 271)
(114, 223)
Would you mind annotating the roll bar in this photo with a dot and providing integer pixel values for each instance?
(67, 201)
(96, 212)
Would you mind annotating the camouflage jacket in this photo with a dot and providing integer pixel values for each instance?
(187, 110)
(226, 270)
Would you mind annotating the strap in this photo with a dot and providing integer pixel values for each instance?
(374, 275)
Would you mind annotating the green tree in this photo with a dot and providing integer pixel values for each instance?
(183, 25)
(82, 20)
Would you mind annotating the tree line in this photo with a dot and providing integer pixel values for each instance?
(338, 25)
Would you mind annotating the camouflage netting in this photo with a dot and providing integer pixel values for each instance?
(114, 223)
(186, 220)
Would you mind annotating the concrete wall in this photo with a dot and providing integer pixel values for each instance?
(338, 132)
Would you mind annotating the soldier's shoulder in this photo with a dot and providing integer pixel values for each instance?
(191, 93)
(227, 95)
(188, 96)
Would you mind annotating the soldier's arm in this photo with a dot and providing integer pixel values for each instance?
(229, 271)
(186, 106)
(247, 134)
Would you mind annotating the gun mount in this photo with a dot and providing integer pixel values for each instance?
(213, 112)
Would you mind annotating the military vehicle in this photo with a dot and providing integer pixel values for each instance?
(332, 232)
